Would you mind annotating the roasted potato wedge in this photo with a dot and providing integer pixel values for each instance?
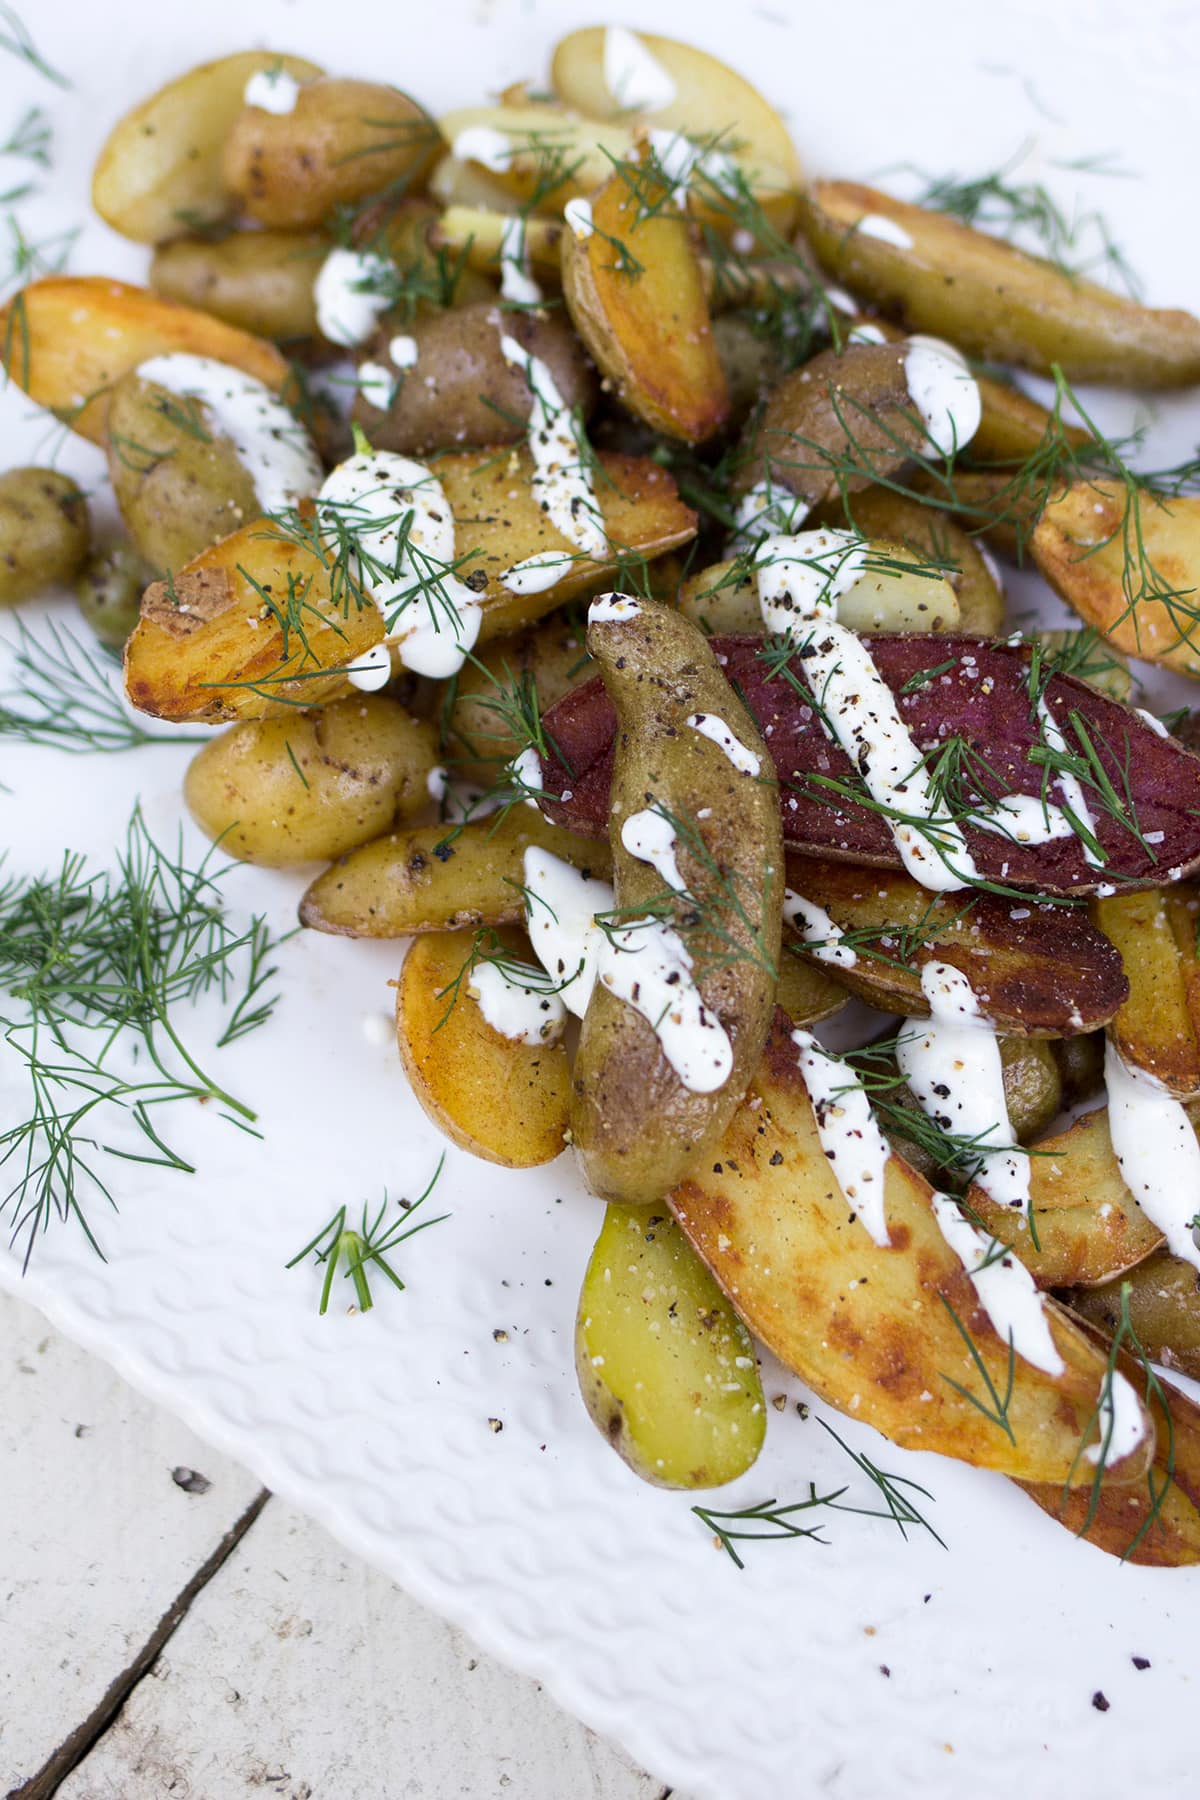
(537, 666)
(441, 877)
(636, 1123)
(260, 281)
(870, 1329)
(1128, 561)
(879, 512)
(1041, 973)
(1164, 1309)
(44, 531)
(342, 141)
(1032, 1098)
(806, 994)
(1158, 1027)
(708, 97)
(312, 786)
(477, 234)
(666, 1368)
(990, 299)
(459, 389)
(212, 650)
(68, 339)
(641, 308)
(724, 598)
(158, 175)
(536, 152)
(1012, 426)
(1088, 1226)
(497, 1097)
(1156, 1524)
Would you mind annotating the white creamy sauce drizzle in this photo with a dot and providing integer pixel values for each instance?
(517, 285)
(633, 75)
(644, 962)
(272, 90)
(1156, 725)
(710, 726)
(817, 929)
(1025, 818)
(865, 334)
(1157, 1149)
(1072, 787)
(562, 482)
(854, 1146)
(765, 509)
(518, 1002)
(577, 214)
(612, 609)
(875, 225)
(1121, 1423)
(404, 351)
(951, 1062)
(799, 581)
(680, 161)
(272, 445)
(648, 836)
(350, 294)
(377, 384)
(526, 775)
(1007, 1291)
(992, 566)
(372, 670)
(944, 392)
(372, 496)
(485, 145)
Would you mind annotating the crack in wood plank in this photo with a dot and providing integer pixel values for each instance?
(73, 1749)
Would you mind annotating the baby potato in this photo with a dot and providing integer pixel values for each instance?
(261, 281)
(542, 662)
(460, 390)
(879, 512)
(312, 785)
(342, 141)
(179, 485)
(44, 531)
(159, 173)
(109, 589)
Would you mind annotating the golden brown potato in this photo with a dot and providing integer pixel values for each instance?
(1046, 974)
(666, 1368)
(212, 649)
(536, 666)
(68, 339)
(805, 993)
(109, 590)
(44, 531)
(990, 299)
(1012, 426)
(460, 389)
(1158, 1027)
(1088, 1225)
(500, 1098)
(636, 1123)
(342, 141)
(158, 175)
(312, 786)
(1129, 563)
(724, 598)
(1164, 1309)
(260, 281)
(879, 512)
(635, 293)
(442, 877)
(870, 1329)
(180, 485)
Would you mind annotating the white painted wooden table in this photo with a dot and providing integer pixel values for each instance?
(167, 1628)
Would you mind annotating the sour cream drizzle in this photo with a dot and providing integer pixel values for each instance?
(680, 161)
(649, 836)
(485, 145)
(944, 392)
(351, 295)
(517, 285)
(951, 1062)
(634, 76)
(562, 482)
(371, 497)
(818, 930)
(709, 726)
(876, 225)
(518, 1001)
(1007, 1291)
(1157, 1150)
(272, 445)
(799, 582)
(272, 90)
(577, 215)
(644, 962)
(1072, 787)
(854, 1146)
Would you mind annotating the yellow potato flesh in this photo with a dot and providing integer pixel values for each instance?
(1157, 1027)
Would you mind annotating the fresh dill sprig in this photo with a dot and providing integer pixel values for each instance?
(63, 697)
(15, 37)
(875, 1071)
(95, 969)
(366, 1250)
(30, 141)
(996, 1408)
(487, 947)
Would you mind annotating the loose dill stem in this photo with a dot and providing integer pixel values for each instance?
(63, 698)
(337, 1244)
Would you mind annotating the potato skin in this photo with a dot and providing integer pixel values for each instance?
(551, 656)
(179, 492)
(44, 531)
(109, 590)
(261, 281)
(1164, 1309)
(293, 790)
(461, 391)
(343, 140)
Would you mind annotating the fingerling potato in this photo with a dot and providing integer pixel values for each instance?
(44, 531)
(887, 597)
(158, 175)
(1164, 1309)
(1158, 1027)
(314, 785)
(260, 281)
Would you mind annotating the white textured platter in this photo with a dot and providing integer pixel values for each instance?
(868, 1666)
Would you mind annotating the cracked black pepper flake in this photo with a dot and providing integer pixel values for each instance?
(190, 1480)
(1099, 1701)
(1140, 1662)
(495, 1425)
